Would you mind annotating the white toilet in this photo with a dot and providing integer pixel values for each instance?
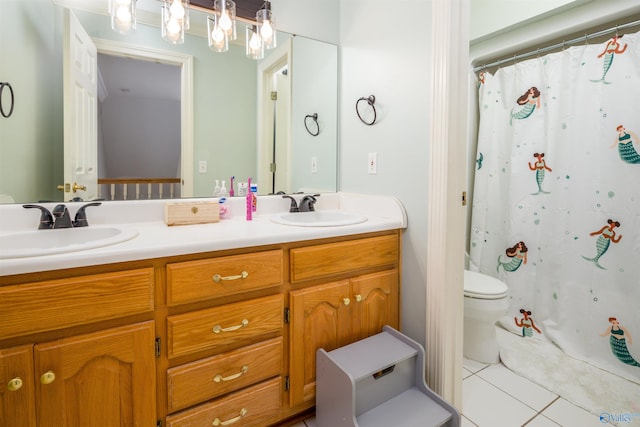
(485, 302)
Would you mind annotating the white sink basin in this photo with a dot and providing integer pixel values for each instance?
(48, 242)
(318, 218)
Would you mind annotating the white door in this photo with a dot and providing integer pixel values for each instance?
(80, 112)
(282, 178)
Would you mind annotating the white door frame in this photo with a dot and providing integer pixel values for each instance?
(185, 62)
(275, 61)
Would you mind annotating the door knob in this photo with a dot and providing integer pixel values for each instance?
(77, 187)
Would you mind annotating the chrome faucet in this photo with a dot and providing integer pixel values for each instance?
(294, 204)
(59, 217)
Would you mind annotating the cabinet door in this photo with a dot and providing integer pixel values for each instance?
(375, 303)
(17, 407)
(105, 378)
(320, 318)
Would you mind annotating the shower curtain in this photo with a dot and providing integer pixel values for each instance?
(556, 207)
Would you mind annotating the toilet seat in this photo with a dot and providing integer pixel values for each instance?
(482, 286)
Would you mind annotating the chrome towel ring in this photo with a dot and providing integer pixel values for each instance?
(2, 86)
(370, 100)
(313, 117)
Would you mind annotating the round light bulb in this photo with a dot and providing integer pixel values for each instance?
(254, 42)
(176, 9)
(123, 14)
(225, 21)
(217, 35)
(173, 29)
(266, 30)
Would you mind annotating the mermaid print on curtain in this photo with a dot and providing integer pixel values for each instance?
(556, 209)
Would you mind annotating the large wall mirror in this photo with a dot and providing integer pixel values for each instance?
(165, 110)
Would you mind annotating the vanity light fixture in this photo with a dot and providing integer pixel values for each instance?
(221, 27)
(254, 47)
(175, 20)
(123, 15)
(266, 27)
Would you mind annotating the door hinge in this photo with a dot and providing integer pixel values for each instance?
(287, 315)
(286, 383)
(272, 167)
(157, 347)
(274, 96)
(464, 198)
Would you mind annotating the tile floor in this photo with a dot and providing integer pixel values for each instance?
(494, 396)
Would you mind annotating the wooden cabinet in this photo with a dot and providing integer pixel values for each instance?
(103, 378)
(17, 395)
(334, 314)
(218, 338)
(63, 377)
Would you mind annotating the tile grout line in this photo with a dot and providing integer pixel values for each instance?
(541, 411)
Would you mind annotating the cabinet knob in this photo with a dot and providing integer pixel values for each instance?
(359, 298)
(15, 384)
(48, 377)
(346, 301)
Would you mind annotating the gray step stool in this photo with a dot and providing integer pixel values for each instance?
(378, 381)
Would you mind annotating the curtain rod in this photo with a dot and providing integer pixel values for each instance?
(557, 45)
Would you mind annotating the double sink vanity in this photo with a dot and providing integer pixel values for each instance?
(141, 324)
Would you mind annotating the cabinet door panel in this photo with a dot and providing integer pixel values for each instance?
(319, 319)
(105, 378)
(376, 303)
(17, 405)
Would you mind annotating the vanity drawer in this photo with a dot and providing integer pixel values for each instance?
(248, 407)
(205, 379)
(224, 325)
(43, 306)
(211, 278)
(334, 258)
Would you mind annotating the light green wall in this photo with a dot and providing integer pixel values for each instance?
(224, 104)
(30, 155)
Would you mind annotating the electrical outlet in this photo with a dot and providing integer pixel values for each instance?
(372, 164)
(314, 165)
(202, 166)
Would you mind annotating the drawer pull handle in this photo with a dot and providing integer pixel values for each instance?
(219, 378)
(48, 377)
(15, 384)
(218, 278)
(217, 422)
(217, 329)
(359, 298)
(346, 301)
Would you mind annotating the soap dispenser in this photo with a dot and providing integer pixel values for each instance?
(216, 189)
(223, 189)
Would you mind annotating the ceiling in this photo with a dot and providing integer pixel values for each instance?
(244, 8)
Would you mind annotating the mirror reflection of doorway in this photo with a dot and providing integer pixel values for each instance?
(139, 129)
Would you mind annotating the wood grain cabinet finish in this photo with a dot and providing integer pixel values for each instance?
(335, 314)
(212, 377)
(105, 378)
(217, 277)
(342, 257)
(249, 407)
(17, 394)
(89, 350)
(230, 324)
(43, 306)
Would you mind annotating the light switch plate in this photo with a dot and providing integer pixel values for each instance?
(202, 166)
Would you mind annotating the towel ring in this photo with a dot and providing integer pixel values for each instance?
(2, 86)
(370, 100)
(313, 117)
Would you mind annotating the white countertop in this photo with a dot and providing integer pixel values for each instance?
(155, 239)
